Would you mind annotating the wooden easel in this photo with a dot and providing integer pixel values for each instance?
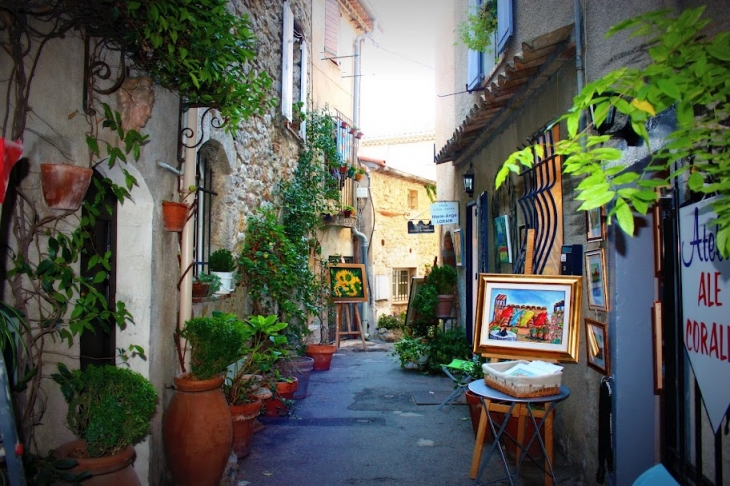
(352, 319)
(520, 410)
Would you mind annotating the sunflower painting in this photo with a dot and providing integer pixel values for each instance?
(348, 282)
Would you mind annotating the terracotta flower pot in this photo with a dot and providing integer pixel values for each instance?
(200, 290)
(322, 355)
(113, 470)
(174, 215)
(65, 186)
(244, 418)
(197, 432)
(444, 306)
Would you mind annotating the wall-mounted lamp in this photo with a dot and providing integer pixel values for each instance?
(468, 178)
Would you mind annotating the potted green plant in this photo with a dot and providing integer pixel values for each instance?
(347, 210)
(263, 346)
(359, 173)
(443, 278)
(197, 429)
(109, 410)
(205, 285)
(478, 30)
(222, 264)
(411, 352)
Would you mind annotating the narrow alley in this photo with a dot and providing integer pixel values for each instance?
(360, 424)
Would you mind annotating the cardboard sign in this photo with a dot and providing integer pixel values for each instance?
(706, 307)
(445, 212)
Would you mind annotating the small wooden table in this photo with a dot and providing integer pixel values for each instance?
(486, 395)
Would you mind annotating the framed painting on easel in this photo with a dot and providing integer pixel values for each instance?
(347, 282)
(528, 316)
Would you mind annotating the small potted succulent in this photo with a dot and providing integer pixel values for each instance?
(347, 210)
(109, 410)
(222, 264)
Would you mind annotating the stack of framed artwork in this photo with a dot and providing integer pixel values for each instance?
(597, 287)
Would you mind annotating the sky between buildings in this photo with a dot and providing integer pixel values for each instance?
(398, 90)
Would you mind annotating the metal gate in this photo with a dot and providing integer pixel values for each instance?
(691, 450)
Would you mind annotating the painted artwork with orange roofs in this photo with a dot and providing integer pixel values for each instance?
(528, 315)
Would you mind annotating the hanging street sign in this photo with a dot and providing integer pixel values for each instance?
(420, 227)
(445, 212)
(706, 306)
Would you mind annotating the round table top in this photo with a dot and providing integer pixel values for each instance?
(480, 388)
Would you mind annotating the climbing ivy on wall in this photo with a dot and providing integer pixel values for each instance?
(276, 263)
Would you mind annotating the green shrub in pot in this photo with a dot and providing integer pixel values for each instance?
(109, 407)
(221, 260)
(443, 278)
(215, 343)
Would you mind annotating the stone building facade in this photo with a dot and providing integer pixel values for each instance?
(397, 197)
(241, 172)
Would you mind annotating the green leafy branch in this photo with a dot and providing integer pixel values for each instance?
(688, 72)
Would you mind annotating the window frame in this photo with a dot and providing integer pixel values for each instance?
(397, 281)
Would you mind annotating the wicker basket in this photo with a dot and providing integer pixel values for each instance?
(496, 377)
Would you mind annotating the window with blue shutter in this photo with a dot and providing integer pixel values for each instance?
(504, 24)
(475, 68)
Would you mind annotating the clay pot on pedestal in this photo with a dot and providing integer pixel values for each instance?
(444, 306)
(322, 355)
(113, 470)
(65, 186)
(244, 418)
(197, 432)
(174, 215)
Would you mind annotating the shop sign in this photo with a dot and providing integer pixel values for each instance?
(706, 306)
(445, 212)
(420, 227)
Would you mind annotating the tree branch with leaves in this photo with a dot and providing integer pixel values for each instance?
(689, 71)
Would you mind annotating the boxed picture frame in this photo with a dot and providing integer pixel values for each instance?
(458, 248)
(347, 282)
(528, 316)
(597, 352)
(595, 224)
(410, 313)
(595, 268)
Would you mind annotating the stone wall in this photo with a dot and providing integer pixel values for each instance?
(392, 246)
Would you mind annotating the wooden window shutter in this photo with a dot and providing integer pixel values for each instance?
(304, 84)
(287, 62)
(504, 24)
(474, 58)
(331, 27)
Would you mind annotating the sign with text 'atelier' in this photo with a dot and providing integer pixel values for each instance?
(706, 307)
(445, 212)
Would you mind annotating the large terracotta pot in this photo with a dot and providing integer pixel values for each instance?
(197, 432)
(244, 419)
(65, 186)
(275, 406)
(174, 215)
(113, 470)
(322, 355)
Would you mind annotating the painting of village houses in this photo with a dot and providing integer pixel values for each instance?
(528, 315)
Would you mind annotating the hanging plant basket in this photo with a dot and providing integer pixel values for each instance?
(174, 215)
(64, 186)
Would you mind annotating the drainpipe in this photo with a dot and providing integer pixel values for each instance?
(579, 67)
(357, 44)
(365, 310)
(186, 246)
